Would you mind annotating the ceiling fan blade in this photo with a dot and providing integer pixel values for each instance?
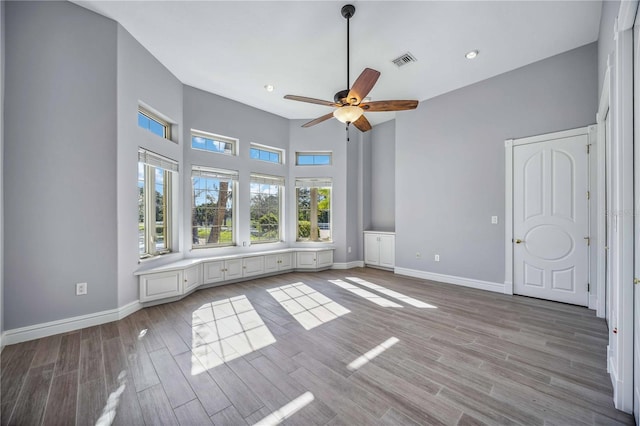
(362, 124)
(318, 120)
(311, 100)
(362, 86)
(389, 105)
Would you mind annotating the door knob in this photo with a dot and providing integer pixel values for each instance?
(518, 241)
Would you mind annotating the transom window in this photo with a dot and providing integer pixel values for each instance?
(265, 153)
(213, 143)
(313, 209)
(313, 158)
(155, 194)
(154, 124)
(266, 205)
(212, 222)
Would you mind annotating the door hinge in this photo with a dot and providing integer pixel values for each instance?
(588, 195)
(588, 240)
(588, 288)
(588, 148)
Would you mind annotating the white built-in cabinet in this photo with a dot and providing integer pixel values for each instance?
(182, 277)
(380, 249)
(278, 262)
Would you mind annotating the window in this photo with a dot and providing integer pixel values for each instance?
(155, 215)
(266, 203)
(154, 124)
(213, 143)
(212, 208)
(314, 209)
(265, 153)
(313, 158)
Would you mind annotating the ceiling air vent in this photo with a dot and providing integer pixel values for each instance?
(404, 59)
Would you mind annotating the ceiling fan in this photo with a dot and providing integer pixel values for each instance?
(348, 103)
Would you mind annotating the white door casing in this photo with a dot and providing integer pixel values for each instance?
(550, 219)
(636, 293)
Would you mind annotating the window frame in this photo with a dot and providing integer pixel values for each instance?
(151, 162)
(273, 150)
(215, 138)
(260, 178)
(314, 154)
(215, 173)
(166, 125)
(314, 183)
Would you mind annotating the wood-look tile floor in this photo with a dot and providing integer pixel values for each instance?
(303, 350)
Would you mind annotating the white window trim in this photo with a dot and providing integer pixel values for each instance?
(151, 161)
(271, 180)
(268, 148)
(220, 138)
(214, 173)
(166, 123)
(329, 153)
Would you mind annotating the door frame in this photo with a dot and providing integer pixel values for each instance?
(509, 144)
(601, 202)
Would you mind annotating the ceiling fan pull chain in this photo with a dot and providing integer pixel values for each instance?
(347, 129)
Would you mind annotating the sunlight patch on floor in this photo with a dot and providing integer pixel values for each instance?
(286, 411)
(306, 305)
(372, 297)
(224, 330)
(398, 296)
(363, 359)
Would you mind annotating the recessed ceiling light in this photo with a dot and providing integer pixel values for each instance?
(472, 55)
(269, 87)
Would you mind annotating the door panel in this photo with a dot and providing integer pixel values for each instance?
(550, 219)
(636, 293)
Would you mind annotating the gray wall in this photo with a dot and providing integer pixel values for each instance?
(59, 162)
(141, 79)
(383, 180)
(214, 114)
(606, 42)
(450, 160)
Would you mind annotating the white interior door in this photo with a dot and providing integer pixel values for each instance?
(550, 219)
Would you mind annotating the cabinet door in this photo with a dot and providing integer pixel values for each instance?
(306, 260)
(191, 278)
(271, 263)
(213, 272)
(371, 249)
(160, 286)
(387, 250)
(252, 266)
(324, 258)
(232, 269)
(286, 261)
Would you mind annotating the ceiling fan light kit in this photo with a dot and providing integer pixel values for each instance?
(348, 103)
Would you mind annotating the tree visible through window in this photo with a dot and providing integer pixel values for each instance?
(212, 209)
(314, 210)
(266, 196)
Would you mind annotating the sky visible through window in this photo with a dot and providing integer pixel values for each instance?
(264, 155)
(212, 145)
(151, 125)
(313, 159)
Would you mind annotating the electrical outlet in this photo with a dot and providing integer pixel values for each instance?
(418, 255)
(436, 258)
(81, 289)
(494, 220)
(349, 249)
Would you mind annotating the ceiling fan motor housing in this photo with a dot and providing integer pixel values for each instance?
(341, 97)
(348, 10)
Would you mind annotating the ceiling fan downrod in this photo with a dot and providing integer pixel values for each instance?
(348, 10)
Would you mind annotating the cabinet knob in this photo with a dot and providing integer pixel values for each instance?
(185, 280)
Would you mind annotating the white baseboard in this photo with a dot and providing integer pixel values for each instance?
(348, 265)
(451, 279)
(38, 331)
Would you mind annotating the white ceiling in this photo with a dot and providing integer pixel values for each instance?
(235, 48)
